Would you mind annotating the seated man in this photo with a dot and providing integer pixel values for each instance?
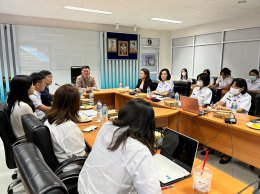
(45, 94)
(39, 85)
(85, 80)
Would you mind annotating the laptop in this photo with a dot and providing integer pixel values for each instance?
(176, 158)
(191, 105)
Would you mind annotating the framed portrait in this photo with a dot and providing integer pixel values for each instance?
(133, 46)
(150, 61)
(122, 48)
(111, 45)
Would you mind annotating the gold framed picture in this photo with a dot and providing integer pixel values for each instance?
(133, 46)
(122, 48)
(111, 45)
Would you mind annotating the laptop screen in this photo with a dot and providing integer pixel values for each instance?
(179, 148)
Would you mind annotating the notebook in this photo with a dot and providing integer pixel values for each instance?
(191, 105)
(176, 158)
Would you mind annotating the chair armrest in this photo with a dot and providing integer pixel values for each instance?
(19, 140)
(77, 160)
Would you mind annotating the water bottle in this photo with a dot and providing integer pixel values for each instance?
(99, 111)
(148, 93)
(177, 96)
(234, 105)
(127, 87)
(91, 98)
(81, 91)
(105, 112)
(120, 85)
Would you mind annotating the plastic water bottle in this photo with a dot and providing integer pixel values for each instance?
(91, 98)
(120, 85)
(127, 86)
(81, 91)
(105, 112)
(234, 105)
(177, 96)
(99, 111)
(148, 93)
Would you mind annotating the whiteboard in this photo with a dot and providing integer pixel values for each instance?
(207, 57)
(56, 50)
(241, 57)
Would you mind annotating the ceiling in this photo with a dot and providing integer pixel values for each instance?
(136, 12)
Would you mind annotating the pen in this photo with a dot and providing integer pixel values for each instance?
(167, 187)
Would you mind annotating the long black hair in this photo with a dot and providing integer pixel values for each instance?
(138, 116)
(20, 84)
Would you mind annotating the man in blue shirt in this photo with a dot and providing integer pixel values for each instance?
(46, 97)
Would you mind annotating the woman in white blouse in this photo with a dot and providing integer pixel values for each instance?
(121, 159)
(67, 139)
(165, 86)
(225, 79)
(19, 103)
(202, 92)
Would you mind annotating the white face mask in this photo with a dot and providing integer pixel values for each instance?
(252, 78)
(183, 73)
(199, 83)
(234, 91)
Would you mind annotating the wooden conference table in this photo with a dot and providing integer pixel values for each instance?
(236, 140)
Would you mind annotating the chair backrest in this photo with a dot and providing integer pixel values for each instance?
(182, 87)
(75, 71)
(255, 103)
(39, 134)
(8, 138)
(216, 95)
(154, 85)
(36, 176)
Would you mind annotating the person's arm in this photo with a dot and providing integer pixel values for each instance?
(208, 97)
(79, 82)
(145, 177)
(43, 108)
(93, 84)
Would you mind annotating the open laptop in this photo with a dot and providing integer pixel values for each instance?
(191, 105)
(176, 158)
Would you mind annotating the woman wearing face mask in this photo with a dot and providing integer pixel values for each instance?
(184, 75)
(202, 92)
(144, 82)
(253, 83)
(165, 86)
(238, 92)
(225, 79)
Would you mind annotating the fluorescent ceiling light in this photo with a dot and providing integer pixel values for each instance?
(87, 10)
(166, 20)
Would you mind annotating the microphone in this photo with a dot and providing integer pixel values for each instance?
(57, 84)
(256, 190)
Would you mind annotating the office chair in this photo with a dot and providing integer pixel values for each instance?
(9, 140)
(75, 71)
(37, 177)
(255, 103)
(216, 94)
(39, 134)
(183, 88)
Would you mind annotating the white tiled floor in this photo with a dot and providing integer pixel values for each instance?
(235, 168)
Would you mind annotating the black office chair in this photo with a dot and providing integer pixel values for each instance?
(37, 177)
(255, 103)
(216, 95)
(154, 85)
(39, 134)
(75, 71)
(183, 88)
(9, 140)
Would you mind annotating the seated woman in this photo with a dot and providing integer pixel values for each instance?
(238, 92)
(67, 139)
(184, 76)
(121, 159)
(212, 81)
(253, 83)
(202, 92)
(19, 103)
(144, 82)
(225, 79)
(165, 86)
